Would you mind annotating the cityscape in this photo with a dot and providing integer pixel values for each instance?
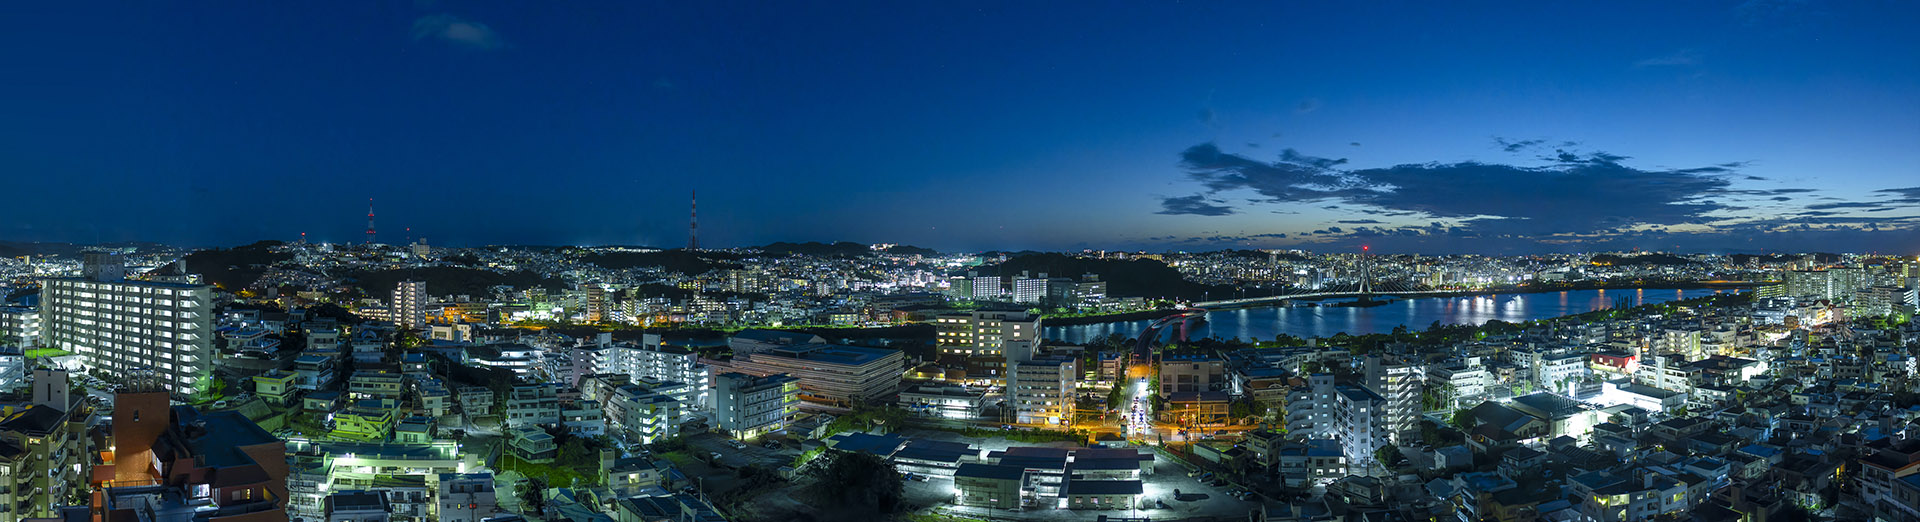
(961, 263)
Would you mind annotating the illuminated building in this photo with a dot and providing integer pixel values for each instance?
(117, 326)
(842, 375)
(1042, 390)
(409, 304)
(747, 406)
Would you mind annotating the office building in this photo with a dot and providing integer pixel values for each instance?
(833, 374)
(117, 326)
(748, 406)
(981, 339)
(409, 304)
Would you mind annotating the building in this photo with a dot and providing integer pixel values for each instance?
(1353, 415)
(980, 339)
(13, 368)
(949, 401)
(532, 444)
(748, 406)
(373, 384)
(367, 420)
(652, 360)
(406, 472)
(44, 450)
(358, 506)
(833, 374)
(533, 403)
(1042, 391)
(464, 497)
(1192, 373)
(276, 387)
(1402, 384)
(219, 456)
(118, 326)
(639, 414)
(989, 485)
(475, 401)
(755, 341)
(19, 326)
(409, 304)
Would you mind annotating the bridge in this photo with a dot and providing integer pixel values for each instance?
(1143, 348)
(1229, 303)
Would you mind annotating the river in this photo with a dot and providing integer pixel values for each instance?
(1322, 321)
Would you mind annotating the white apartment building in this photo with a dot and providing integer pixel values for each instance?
(652, 361)
(409, 304)
(19, 326)
(1401, 383)
(118, 326)
(464, 497)
(1352, 415)
(1042, 391)
(640, 414)
(749, 406)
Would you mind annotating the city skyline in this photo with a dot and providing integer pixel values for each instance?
(1718, 127)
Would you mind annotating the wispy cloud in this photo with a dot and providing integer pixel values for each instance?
(1683, 57)
(1196, 204)
(456, 31)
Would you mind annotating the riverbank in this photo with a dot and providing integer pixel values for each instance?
(1075, 320)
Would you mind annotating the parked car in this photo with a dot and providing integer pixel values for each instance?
(737, 444)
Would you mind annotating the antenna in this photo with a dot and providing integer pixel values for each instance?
(369, 221)
(693, 222)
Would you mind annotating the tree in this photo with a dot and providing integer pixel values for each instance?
(1388, 455)
(534, 495)
(1116, 397)
(862, 481)
(1463, 419)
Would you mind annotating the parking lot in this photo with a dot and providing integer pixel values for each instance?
(753, 454)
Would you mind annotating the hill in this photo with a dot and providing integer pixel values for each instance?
(445, 280)
(1643, 259)
(233, 268)
(1131, 278)
(677, 260)
(813, 248)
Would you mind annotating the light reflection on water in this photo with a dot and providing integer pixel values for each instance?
(1417, 314)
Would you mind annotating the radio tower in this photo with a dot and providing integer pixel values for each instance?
(693, 223)
(369, 221)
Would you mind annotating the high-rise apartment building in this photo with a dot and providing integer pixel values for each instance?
(118, 326)
(1027, 289)
(44, 450)
(1401, 383)
(653, 361)
(410, 304)
(1352, 415)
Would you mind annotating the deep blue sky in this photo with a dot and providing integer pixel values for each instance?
(972, 125)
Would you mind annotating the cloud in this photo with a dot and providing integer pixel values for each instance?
(1781, 198)
(1307, 106)
(1516, 146)
(456, 31)
(1683, 57)
(1577, 194)
(1850, 204)
(1902, 195)
(1192, 205)
(1362, 222)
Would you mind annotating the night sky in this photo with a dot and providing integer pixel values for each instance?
(1433, 127)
